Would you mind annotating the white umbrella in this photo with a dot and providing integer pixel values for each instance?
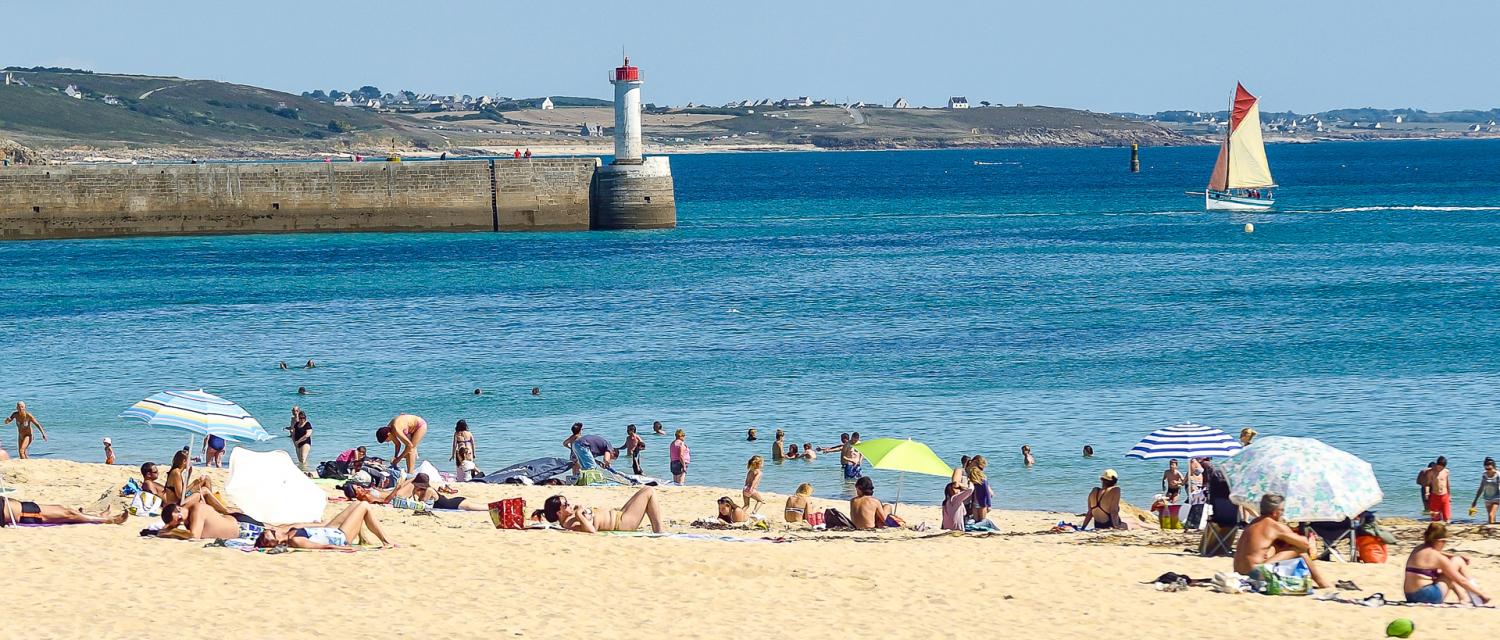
(1320, 483)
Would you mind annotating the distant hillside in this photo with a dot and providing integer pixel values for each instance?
(115, 108)
(882, 128)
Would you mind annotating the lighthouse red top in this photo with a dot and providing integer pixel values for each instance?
(627, 73)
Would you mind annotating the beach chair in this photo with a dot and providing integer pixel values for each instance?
(1217, 540)
(1334, 536)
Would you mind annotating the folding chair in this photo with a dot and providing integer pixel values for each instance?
(1335, 534)
(1217, 540)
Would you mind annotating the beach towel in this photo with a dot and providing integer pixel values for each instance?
(145, 505)
(269, 487)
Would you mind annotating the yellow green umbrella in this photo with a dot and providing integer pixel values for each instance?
(903, 455)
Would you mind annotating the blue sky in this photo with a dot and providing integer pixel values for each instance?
(1102, 55)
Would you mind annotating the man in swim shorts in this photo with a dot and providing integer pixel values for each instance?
(851, 458)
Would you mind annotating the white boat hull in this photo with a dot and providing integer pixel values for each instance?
(1225, 202)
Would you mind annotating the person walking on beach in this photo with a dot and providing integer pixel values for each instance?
(634, 445)
(1438, 500)
(1489, 489)
(1171, 481)
(302, 433)
(680, 457)
(25, 422)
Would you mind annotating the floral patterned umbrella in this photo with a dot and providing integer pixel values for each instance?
(1320, 483)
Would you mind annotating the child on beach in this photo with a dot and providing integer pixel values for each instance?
(752, 482)
(463, 451)
(983, 495)
(798, 504)
(109, 452)
(808, 452)
(634, 445)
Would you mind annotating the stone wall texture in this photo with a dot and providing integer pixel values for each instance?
(78, 201)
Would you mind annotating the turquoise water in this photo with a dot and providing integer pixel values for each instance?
(1055, 301)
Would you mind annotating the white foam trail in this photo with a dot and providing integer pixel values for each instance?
(1398, 207)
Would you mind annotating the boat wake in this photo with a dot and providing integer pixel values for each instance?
(1399, 207)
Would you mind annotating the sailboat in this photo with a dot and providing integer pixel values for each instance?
(1241, 180)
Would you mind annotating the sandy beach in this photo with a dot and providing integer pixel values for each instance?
(454, 574)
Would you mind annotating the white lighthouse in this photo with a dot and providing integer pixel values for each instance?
(633, 192)
(627, 81)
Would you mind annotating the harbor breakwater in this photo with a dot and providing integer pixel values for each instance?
(534, 194)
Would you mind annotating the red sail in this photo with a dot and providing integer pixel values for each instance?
(1219, 181)
(1242, 103)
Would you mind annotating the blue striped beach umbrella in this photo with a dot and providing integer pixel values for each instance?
(1186, 440)
(200, 413)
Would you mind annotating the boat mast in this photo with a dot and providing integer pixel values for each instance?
(1229, 132)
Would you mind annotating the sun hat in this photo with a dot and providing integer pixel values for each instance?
(1109, 474)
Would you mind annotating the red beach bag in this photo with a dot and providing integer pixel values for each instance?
(509, 513)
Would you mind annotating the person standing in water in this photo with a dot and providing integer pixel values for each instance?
(1438, 500)
(851, 458)
(680, 457)
(778, 448)
(657, 429)
(405, 432)
(302, 433)
(25, 422)
(634, 445)
(1026, 456)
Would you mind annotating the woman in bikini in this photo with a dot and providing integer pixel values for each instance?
(731, 513)
(338, 533)
(798, 503)
(1104, 503)
(25, 422)
(22, 512)
(405, 432)
(1432, 573)
(640, 506)
(180, 485)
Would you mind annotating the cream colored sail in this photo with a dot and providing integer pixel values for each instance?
(1248, 168)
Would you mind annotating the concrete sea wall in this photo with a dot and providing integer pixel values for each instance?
(81, 201)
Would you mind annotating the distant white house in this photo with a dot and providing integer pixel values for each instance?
(1400, 119)
(958, 102)
(346, 101)
(112, 101)
(1475, 128)
(73, 92)
(9, 79)
(547, 103)
(373, 104)
(900, 103)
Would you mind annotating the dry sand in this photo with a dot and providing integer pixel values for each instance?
(454, 575)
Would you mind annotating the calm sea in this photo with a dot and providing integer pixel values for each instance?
(1054, 300)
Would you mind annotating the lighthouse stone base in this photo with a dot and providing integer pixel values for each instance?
(634, 196)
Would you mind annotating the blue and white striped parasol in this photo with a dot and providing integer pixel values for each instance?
(200, 413)
(1186, 440)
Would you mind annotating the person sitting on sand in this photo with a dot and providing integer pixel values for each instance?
(955, 495)
(1104, 503)
(1268, 540)
(405, 432)
(778, 446)
(149, 484)
(25, 422)
(640, 506)
(180, 483)
(753, 474)
(1432, 573)
(338, 533)
(798, 504)
(18, 512)
(204, 518)
(865, 510)
(731, 513)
